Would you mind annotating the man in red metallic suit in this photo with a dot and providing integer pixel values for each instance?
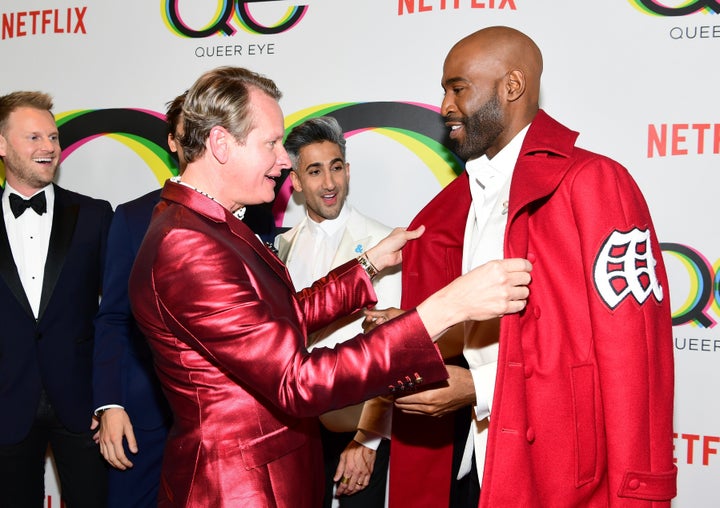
(228, 331)
(572, 399)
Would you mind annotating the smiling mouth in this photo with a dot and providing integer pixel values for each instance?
(43, 160)
(455, 129)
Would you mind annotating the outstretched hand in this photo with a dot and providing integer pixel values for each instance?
(491, 290)
(494, 289)
(388, 252)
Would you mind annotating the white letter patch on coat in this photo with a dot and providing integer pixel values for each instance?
(625, 266)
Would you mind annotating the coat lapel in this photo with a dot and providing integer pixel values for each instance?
(63, 227)
(8, 269)
(287, 241)
(354, 242)
(214, 211)
(242, 231)
(543, 161)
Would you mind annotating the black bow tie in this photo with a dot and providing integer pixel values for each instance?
(18, 204)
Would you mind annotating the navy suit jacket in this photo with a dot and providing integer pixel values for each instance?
(54, 351)
(124, 372)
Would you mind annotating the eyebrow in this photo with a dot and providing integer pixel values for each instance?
(452, 81)
(319, 163)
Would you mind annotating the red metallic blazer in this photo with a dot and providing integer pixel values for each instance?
(228, 336)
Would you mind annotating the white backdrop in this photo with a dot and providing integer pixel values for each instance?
(638, 78)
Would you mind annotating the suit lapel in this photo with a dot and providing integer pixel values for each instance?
(242, 231)
(354, 242)
(64, 219)
(214, 211)
(286, 244)
(8, 269)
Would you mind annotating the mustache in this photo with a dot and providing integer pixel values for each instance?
(454, 118)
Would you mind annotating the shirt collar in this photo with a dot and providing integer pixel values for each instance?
(504, 161)
(238, 214)
(331, 226)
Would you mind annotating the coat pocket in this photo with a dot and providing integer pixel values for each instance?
(583, 388)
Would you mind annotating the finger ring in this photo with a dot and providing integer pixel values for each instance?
(359, 483)
(345, 480)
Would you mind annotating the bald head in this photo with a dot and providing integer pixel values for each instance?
(501, 50)
(492, 87)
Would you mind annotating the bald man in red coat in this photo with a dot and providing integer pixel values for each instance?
(581, 407)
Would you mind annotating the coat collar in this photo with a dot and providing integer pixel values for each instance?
(544, 159)
(215, 212)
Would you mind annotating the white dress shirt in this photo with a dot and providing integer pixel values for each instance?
(29, 238)
(315, 251)
(483, 242)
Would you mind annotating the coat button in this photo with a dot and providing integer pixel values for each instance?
(531, 257)
(530, 434)
(528, 370)
(634, 484)
(536, 312)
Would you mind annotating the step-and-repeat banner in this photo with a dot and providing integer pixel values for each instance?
(638, 78)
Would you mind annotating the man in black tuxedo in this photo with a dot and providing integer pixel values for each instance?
(52, 252)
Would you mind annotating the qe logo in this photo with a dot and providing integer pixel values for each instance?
(704, 292)
(655, 8)
(237, 11)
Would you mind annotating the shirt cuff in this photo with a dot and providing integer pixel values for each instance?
(368, 439)
(99, 411)
(484, 381)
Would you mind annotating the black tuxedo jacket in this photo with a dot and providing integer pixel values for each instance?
(56, 350)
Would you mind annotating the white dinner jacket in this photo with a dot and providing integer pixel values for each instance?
(361, 233)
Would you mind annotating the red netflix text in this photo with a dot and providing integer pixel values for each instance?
(696, 449)
(46, 21)
(409, 6)
(683, 139)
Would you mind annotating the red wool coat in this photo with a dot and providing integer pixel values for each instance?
(582, 412)
(228, 332)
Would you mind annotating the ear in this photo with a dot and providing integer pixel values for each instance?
(171, 143)
(514, 85)
(295, 180)
(218, 144)
(347, 171)
(3, 146)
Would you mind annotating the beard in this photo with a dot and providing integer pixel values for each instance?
(26, 172)
(482, 128)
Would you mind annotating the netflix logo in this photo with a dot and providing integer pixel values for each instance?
(70, 20)
(695, 449)
(683, 139)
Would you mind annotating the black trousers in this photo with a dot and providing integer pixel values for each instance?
(465, 492)
(82, 470)
(372, 496)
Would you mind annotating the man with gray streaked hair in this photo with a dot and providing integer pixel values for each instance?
(315, 130)
(355, 439)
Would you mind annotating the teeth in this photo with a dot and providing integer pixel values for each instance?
(43, 160)
(454, 127)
